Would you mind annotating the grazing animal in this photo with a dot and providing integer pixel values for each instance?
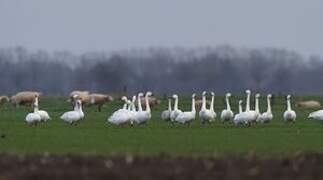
(206, 115)
(33, 118)
(289, 115)
(188, 116)
(318, 115)
(239, 118)
(165, 115)
(4, 99)
(308, 104)
(24, 98)
(43, 114)
(176, 111)
(267, 116)
(73, 117)
(199, 103)
(227, 114)
(99, 100)
(153, 101)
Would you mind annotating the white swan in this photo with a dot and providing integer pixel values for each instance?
(165, 115)
(33, 118)
(239, 118)
(43, 114)
(289, 115)
(267, 116)
(212, 106)
(143, 116)
(188, 116)
(318, 115)
(206, 115)
(139, 101)
(75, 116)
(176, 111)
(227, 114)
(121, 116)
(250, 116)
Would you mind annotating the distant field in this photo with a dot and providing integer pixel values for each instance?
(95, 136)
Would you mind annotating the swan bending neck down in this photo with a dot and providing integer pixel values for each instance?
(227, 114)
(289, 115)
(188, 116)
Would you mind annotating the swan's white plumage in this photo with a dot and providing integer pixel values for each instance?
(267, 116)
(318, 115)
(227, 114)
(165, 115)
(176, 111)
(75, 115)
(143, 116)
(206, 115)
(239, 118)
(188, 116)
(289, 115)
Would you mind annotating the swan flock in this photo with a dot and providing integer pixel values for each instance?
(132, 111)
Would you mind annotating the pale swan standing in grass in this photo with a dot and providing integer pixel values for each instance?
(74, 116)
(206, 115)
(289, 115)
(187, 116)
(165, 115)
(33, 118)
(43, 114)
(250, 116)
(176, 111)
(318, 115)
(238, 118)
(227, 114)
(267, 116)
(143, 116)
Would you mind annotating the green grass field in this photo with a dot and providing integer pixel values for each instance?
(95, 136)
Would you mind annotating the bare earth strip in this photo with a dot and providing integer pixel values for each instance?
(161, 167)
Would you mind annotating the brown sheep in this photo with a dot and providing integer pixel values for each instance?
(308, 104)
(4, 99)
(24, 98)
(198, 103)
(153, 101)
(99, 100)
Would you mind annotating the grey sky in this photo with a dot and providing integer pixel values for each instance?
(95, 25)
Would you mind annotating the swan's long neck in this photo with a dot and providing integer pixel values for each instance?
(228, 103)
(36, 109)
(169, 105)
(288, 105)
(257, 105)
(248, 102)
(124, 105)
(240, 108)
(212, 103)
(176, 104)
(203, 103)
(139, 103)
(80, 108)
(147, 103)
(193, 105)
(129, 106)
(268, 105)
